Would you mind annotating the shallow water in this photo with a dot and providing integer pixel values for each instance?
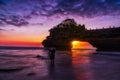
(69, 65)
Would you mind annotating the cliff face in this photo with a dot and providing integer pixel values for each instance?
(61, 36)
(107, 39)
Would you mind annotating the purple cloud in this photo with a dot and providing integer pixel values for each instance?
(2, 29)
(18, 12)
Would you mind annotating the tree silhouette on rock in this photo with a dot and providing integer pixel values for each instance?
(61, 35)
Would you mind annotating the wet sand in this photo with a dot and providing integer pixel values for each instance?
(75, 65)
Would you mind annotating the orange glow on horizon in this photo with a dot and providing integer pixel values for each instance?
(17, 39)
(20, 43)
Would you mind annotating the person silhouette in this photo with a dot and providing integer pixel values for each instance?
(52, 55)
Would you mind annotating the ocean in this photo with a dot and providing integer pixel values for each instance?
(69, 65)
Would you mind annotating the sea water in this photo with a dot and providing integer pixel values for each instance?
(69, 65)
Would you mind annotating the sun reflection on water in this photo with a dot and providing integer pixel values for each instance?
(81, 63)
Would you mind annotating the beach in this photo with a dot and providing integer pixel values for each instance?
(69, 65)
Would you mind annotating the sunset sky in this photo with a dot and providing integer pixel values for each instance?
(26, 22)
